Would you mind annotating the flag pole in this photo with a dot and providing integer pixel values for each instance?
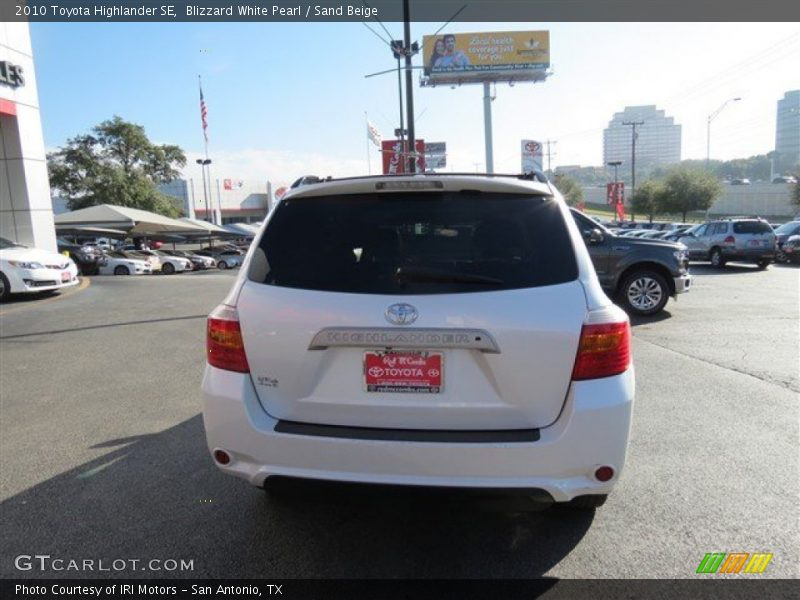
(366, 139)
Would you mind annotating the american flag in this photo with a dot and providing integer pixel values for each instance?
(203, 114)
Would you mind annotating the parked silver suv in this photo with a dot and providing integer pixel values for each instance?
(748, 239)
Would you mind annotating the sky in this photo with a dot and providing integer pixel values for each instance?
(290, 99)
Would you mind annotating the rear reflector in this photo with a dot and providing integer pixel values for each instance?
(224, 345)
(604, 350)
(604, 473)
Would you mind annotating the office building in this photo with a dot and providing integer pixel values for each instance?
(787, 133)
(658, 139)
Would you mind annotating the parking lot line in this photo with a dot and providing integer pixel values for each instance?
(85, 283)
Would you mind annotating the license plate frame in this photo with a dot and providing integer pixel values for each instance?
(403, 371)
(66, 277)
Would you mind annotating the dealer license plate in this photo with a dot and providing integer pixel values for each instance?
(407, 371)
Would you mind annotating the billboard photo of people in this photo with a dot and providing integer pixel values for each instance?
(466, 57)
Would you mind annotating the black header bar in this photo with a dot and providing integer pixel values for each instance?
(436, 11)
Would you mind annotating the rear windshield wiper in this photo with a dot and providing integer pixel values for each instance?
(405, 274)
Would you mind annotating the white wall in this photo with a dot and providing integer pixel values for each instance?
(26, 213)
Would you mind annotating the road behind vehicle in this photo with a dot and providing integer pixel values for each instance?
(734, 239)
(425, 330)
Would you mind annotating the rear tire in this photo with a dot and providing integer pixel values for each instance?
(587, 502)
(717, 260)
(167, 268)
(5, 288)
(121, 270)
(644, 293)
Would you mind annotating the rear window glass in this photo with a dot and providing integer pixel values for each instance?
(416, 243)
(751, 227)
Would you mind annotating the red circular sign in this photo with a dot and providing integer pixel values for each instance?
(532, 146)
(280, 192)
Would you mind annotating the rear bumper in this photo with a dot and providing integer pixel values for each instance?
(748, 254)
(591, 431)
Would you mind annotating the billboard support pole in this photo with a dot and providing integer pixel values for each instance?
(412, 159)
(487, 126)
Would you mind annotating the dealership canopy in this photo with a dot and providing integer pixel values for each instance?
(241, 229)
(131, 220)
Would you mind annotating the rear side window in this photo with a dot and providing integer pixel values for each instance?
(415, 243)
(718, 229)
(751, 227)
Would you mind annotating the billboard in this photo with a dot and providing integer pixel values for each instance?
(488, 56)
(435, 155)
(531, 156)
(393, 163)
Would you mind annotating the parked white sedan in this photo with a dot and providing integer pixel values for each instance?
(117, 263)
(26, 270)
(169, 264)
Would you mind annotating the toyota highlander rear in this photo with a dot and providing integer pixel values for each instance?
(429, 330)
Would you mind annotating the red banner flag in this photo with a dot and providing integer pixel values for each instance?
(394, 158)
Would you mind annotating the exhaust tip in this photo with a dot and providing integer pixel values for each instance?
(222, 457)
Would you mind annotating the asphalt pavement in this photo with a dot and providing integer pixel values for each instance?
(103, 456)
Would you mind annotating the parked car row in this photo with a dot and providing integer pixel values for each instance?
(94, 258)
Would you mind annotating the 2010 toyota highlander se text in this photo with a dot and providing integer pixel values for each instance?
(427, 330)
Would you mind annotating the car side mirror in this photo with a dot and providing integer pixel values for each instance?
(595, 236)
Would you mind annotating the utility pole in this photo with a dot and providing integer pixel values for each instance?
(412, 145)
(397, 51)
(634, 135)
(548, 143)
(487, 126)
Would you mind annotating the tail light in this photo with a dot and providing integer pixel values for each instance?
(224, 345)
(730, 241)
(604, 350)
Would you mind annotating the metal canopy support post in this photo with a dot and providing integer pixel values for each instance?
(487, 126)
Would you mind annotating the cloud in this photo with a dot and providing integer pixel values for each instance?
(278, 166)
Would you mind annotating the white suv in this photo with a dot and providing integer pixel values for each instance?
(432, 330)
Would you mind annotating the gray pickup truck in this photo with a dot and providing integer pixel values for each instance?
(639, 274)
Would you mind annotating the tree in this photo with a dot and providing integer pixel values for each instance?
(569, 188)
(647, 198)
(687, 189)
(115, 164)
(795, 200)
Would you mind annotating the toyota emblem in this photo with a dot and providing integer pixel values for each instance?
(401, 314)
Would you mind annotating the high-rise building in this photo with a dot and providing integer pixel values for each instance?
(658, 140)
(787, 132)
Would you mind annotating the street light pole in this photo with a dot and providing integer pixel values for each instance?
(711, 117)
(203, 164)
